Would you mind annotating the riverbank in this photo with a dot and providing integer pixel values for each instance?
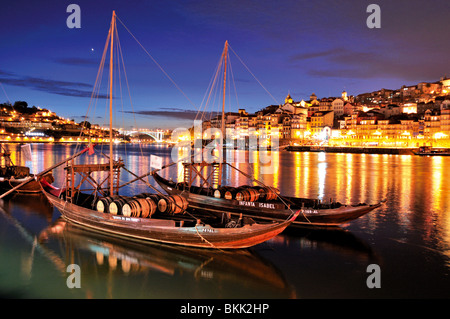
(355, 150)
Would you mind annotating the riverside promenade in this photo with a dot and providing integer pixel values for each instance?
(351, 149)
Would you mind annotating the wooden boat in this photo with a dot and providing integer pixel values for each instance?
(428, 151)
(136, 217)
(311, 212)
(260, 202)
(9, 183)
(12, 176)
(166, 230)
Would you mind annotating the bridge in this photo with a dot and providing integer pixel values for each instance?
(156, 134)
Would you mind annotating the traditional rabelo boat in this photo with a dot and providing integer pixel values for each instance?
(429, 151)
(256, 200)
(147, 216)
(12, 175)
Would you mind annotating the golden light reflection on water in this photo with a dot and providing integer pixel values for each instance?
(440, 200)
(416, 188)
(349, 174)
(297, 173)
(437, 182)
(322, 172)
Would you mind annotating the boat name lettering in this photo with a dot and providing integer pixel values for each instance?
(130, 219)
(255, 204)
(310, 211)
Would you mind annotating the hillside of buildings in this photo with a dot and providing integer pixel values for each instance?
(406, 117)
(19, 122)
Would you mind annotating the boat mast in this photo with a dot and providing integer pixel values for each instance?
(111, 168)
(224, 55)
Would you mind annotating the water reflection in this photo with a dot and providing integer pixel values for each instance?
(190, 269)
(334, 240)
(416, 213)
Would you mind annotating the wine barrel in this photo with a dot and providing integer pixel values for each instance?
(152, 206)
(144, 207)
(115, 207)
(173, 204)
(247, 194)
(102, 204)
(220, 192)
(269, 193)
(233, 191)
(155, 198)
(131, 208)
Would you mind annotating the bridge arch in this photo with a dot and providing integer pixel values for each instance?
(156, 135)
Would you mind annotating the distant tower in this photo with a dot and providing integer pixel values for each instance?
(288, 99)
(344, 95)
(313, 97)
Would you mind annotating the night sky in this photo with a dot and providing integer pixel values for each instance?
(297, 47)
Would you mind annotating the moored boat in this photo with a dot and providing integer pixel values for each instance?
(17, 178)
(428, 151)
(166, 230)
(203, 188)
(141, 217)
(311, 212)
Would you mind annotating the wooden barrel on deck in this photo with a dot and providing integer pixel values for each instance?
(247, 194)
(233, 191)
(230, 193)
(268, 193)
(153, 206)
(115, 207)
(145, 207)
(220, 192)
(173, 204)
(155, 199)
(131, 208)
(102, 204)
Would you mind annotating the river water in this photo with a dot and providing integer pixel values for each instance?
(408, 238)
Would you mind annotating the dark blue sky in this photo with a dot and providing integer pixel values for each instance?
(292, 46)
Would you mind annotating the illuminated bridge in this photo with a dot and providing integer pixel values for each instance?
(156, 134)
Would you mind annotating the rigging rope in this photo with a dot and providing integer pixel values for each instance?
(159, 66)
(252, 74)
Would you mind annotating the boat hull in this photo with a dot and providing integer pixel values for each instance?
(32, 187)
(433, 153)
(269, 211)
(167, 231)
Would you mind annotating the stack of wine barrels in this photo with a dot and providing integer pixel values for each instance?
(103, 204)
(143, 205)
(267, 193)
(220, 192)
(247, 193)
(231, 192)
(115, 207)
(148, 203)
(173, 204)
(139, 207)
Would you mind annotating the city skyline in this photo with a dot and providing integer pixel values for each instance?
(290, 46)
